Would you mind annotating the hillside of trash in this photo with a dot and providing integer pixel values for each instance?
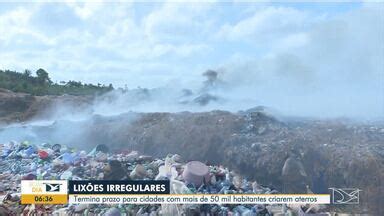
(284, 154)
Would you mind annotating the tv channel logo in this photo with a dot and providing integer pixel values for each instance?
(345, 195)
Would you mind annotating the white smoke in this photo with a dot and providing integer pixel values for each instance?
(333, 69)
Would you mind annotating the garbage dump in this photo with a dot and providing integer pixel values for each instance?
(28, 161)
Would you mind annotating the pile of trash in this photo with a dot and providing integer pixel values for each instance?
(26, 161)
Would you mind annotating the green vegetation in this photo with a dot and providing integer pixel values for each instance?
(41, 84)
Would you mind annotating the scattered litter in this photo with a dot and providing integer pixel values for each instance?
(24, 161)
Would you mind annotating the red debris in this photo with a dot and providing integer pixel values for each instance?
(43, 155)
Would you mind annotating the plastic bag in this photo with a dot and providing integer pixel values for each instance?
(177, 187)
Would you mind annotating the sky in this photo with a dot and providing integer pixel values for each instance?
(315, 54)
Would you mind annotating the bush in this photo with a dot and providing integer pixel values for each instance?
(41, 84)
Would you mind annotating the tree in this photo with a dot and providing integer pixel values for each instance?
(43, 76)
(27, 73)
(41, 84)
